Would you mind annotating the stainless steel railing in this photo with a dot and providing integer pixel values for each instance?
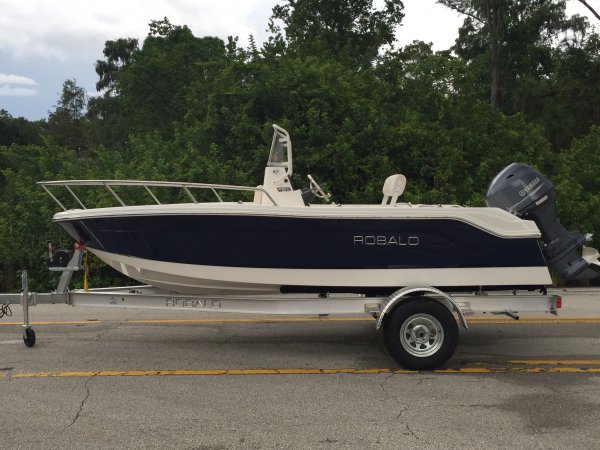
(109, 184)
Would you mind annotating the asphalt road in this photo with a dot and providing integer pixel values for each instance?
(102, 378)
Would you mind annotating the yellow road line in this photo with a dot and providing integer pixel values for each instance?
(62, 322)
(471, 320)
(557, 362)
(200, 372)
(300, 371)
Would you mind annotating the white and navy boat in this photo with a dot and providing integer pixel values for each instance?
(279, 241)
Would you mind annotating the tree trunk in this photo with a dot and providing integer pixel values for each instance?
(495, 24)
(592, 10)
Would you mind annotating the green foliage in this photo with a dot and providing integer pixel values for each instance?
(352, 32)
(153, 85)
(567, 101)
(65, 124)
(511, 44)
(18, 131)
(26, 211)
(118, 54)
(578, 183)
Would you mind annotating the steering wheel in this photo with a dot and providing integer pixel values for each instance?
(316, 189)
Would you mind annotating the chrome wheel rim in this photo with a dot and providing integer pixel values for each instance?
(421, 335)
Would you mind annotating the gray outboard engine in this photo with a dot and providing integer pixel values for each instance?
(523, 191)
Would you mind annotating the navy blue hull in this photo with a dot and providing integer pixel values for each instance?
(305, 243)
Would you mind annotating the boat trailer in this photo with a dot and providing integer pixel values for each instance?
(419, 323)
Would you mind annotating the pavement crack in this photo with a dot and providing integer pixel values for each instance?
(103, 333)
(85, 399)
(403, 408)
(421, 380)
(227, 340)
(413, 434)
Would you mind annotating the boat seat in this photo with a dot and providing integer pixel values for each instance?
(392, 189)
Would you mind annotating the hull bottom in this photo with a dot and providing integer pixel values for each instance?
(218, 280)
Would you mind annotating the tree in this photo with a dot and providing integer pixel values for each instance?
(567, 102)
(352, 31)
(107, 123)
(117, 54)
(516, 37)
(488, 16)
(590, 8)
(26, 210)
(578, 184)
(153, 84)
(66, 122)
(18, 131)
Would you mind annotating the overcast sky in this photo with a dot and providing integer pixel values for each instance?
(43, 43)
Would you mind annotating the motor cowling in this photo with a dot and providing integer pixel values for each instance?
(521, 190)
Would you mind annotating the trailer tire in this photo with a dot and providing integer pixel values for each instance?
(29, 337)
(421, 334)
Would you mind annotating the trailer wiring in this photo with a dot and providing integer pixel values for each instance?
(5, 311)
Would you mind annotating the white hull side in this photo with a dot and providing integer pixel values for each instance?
(217, 280)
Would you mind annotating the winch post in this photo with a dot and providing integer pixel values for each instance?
(25, 299)
(67, 272)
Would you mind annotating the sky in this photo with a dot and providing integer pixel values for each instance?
(43, 43)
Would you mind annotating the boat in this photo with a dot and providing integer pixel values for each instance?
(286, 240)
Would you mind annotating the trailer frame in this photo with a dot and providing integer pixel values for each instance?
(416, 343)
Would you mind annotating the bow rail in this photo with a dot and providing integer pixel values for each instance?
(187, 188)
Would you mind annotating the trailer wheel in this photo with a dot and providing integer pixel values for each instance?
(29, 337)
(421, 334)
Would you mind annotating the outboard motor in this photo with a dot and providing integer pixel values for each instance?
(523, 191)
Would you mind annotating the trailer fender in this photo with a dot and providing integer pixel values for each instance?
(405, 294)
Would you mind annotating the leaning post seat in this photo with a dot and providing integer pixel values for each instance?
(393, 188)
